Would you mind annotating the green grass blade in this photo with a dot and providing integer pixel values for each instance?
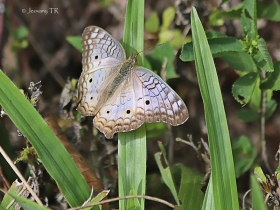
(223, 175)
(53, 155)
(190, 189)
(167, 177)
(132, 145)
(257, 195)
(208, 202)
(132, 164)
(26, 203)
(133, 37)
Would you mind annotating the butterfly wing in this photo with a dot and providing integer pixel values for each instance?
(102, 57)
(159, 101)
(118, 113)
(142, 97)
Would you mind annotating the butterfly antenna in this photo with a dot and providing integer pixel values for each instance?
(149, 48)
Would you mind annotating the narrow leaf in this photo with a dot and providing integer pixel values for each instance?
(132, 145)
(190, 192)
(167, 177)
(257, 195)
(223, 175)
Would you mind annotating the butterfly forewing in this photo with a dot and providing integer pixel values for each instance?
(102, 58)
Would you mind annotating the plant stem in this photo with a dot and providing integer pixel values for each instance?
(262, 125)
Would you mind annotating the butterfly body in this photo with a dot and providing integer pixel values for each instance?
(119, 94)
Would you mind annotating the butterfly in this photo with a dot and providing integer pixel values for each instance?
(119, 94)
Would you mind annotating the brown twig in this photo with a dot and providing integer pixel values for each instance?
(243, 199)
(10, 162)
(127, 197)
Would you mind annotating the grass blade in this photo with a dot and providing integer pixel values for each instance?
(223, 175)
(132, 145)
(53, 155)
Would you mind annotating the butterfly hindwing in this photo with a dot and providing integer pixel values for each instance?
(161, 102)
(118, 113)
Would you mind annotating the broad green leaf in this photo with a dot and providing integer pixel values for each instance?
(261, 62)
(248, 115)
(240, 61)
(243, 88)
(218, 46)
(224, 184)
(167, 176)
(190, 192)
(167, 17)
(225, 44)
(152, 23)
(51, 152)
(273, 80)
(269, 10)
(250, 6)
(75, 41)
(217, 17)
(244, 154)
(161, 54)
(249, 19)
(257, 195)
(265, 54)
(213, 34)
(256, 97)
